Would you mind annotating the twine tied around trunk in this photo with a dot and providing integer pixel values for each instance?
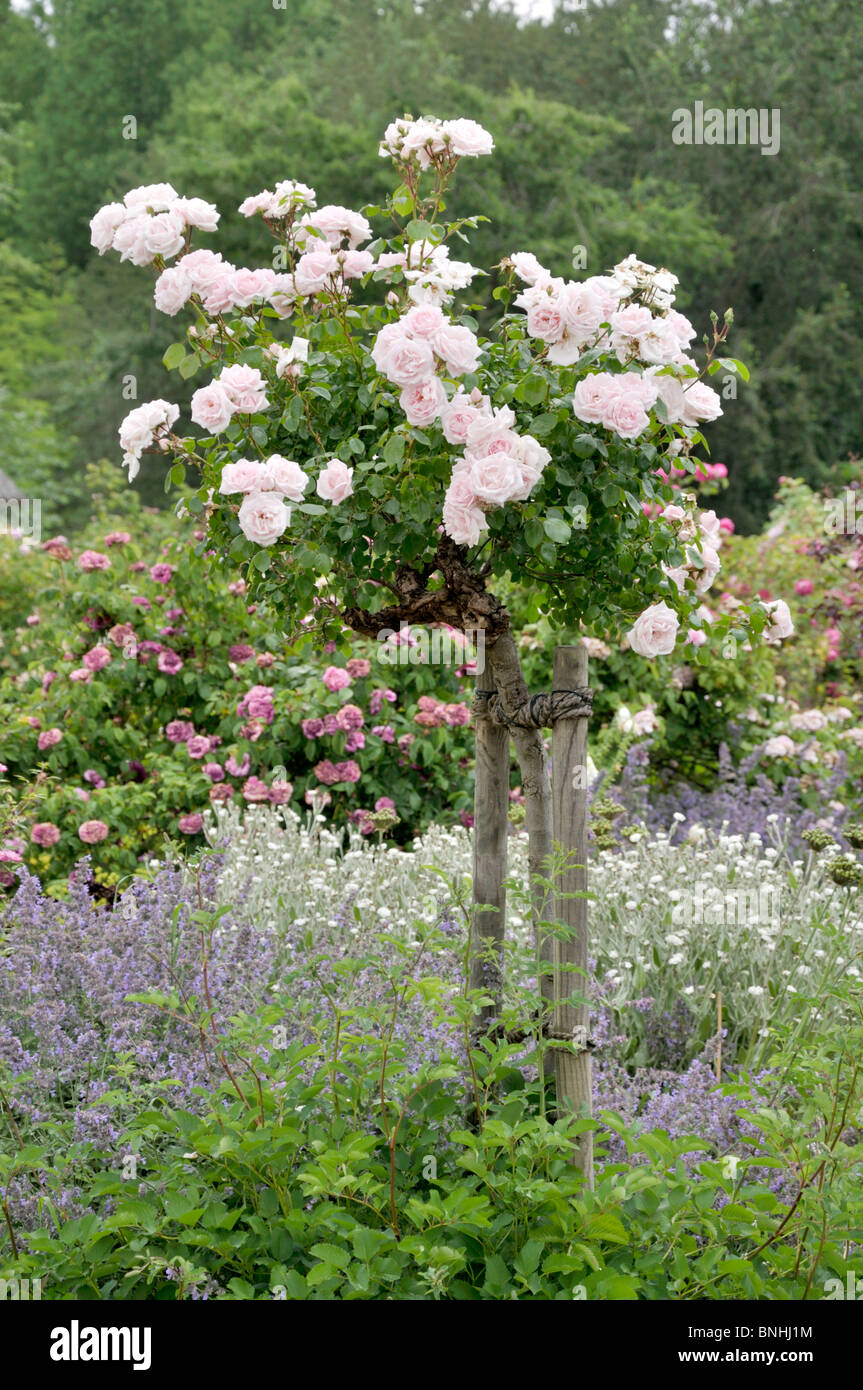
(537, 711)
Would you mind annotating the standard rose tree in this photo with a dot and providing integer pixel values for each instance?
(372, 459)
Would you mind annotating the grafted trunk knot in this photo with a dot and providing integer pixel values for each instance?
(537, 711)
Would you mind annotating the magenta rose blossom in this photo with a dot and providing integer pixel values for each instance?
(191, 824)
(358, 668)
(90, 560)
(97, 658)
(161, 573)
(48, 738)
(198, 746)
(235, 769)
(169, 663)
(350, 717)
(312, 728)
(92, 832)
(255, 790)
(43, 833)
(179, 731)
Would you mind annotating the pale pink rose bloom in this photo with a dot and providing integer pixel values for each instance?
(458, 348)
(165, 234)
(711, 565)
(700, 403)
(287, 477)
(355, 264)
(172, 290)
(467, 138)
(245, 388)
(92, 832)
(528, 268)
(607, 291)
(423, 139)
(781, 625)
(673, 513)
(711, 528)
(463, 520)
(337, 225)
(780, 747)
(637, 386)
(48, 738)
(103, 226)
(458, 416)
(403, 360)
(593, 396)
(545, 319)
(424, 321)
(151, 197)
(680, 327)
(220, 295)
(196, 212)
(390, 260)
(696, 637)
(263, 517)
(532, 459)
(810, 721)
(258, 202)
(627, 417)
(130, 240)
(314, 271)
(423, 402)
(655, 631)
(492, 426)
(644, 722)
(582, 311)
(335, 483)
(628, 324)
(249, 285)
(678, 575)
(495, 479)
(211, 408)
(206, 269)
(283, 295)
(246, 475)
(81, 676)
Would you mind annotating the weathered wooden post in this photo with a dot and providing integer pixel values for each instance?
(490, 831)
(571, 1022)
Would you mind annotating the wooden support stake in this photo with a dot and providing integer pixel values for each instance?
(490, 831)
(569, 801)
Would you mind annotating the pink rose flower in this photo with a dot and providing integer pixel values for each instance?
(336, 678)
(466, 138)
(423, 402)
(355, 741)
(190, 824)
(118, 538)
(179, 731)
(263, 517)
(245, 388)
(198, 746)
(43, 833)
(49, 738)
(212, 408)
(402, 359)
(458, 347)
(803, 587)
(90, 560)
(358, 668)
(169, 663)
(335, 483)
(312, 728)
(173, 289)
(781, 624)
(349, 716)
(254, 789)
(315, 271)
(97, 658)
(214, 771)
(494, 479)
(458, 416)
(235, 769)
(223, 792)
(246, 475)
(92, 832)
(161, 573)
(287, 477)
(655, 631)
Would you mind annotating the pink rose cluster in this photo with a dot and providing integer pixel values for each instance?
(152, 222)
(143, 428)
(263, 515)
(498, 465)
(330, 774)
(217, 284)
(433, 714)
(431, 141)
(411, 352)
(702, 562)
(238, 390)
(257, 704)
